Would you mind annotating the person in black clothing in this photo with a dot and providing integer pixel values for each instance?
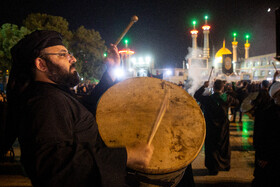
(215, 108)
(242, 93)
(59, 138)
(263, 100)
(261, 104)
(266, 142)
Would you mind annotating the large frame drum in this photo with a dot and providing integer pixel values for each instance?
(126, 114)
(247, 107)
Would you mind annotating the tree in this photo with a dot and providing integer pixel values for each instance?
(88, 47)
(40, 21)
(10, 34)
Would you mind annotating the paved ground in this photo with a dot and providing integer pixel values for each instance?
(242, 159)
(241, 173)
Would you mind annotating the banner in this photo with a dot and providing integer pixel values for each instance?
(227, 66)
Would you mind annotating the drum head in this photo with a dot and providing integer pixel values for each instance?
(246, 105)
(127, 111)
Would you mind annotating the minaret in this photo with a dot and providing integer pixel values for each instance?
(194, 40)
(206, 31)
(234, 48)
(247, 47)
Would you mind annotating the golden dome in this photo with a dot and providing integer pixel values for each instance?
(223, 51)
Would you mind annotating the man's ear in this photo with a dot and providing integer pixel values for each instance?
(41, 64)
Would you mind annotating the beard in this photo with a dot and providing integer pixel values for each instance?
(62, 76)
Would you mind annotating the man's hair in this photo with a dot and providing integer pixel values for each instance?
(218, 85)
(265, 83)
(245, 83)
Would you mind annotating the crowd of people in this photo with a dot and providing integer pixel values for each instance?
(266, 113)
(83, 89)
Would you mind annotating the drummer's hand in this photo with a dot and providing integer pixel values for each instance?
(206, 84)
(139, 155)
(112, 60)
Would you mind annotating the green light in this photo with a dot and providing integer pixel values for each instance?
(247, 36)
(234, 34)
(105, 54)
(194, 22)
(206, 17)
(126, 41)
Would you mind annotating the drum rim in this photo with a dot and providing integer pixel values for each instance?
(255, 94)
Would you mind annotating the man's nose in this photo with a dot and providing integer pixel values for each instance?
(73, 59)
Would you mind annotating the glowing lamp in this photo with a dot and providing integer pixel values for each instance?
(247, 36)
(168, 72)
(206, 18)
(234, 36)
(206, 27)
(247, 45)
(194, 31)
(128, 52)
(118, 72)
(194, 23)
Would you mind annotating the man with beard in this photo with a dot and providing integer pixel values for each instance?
(59, 139)
(215, 108)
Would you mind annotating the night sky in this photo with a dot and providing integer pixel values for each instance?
(163, 27)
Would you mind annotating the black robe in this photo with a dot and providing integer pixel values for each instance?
(217, 147)
(261, 104)
(266, 143)
(60, 142)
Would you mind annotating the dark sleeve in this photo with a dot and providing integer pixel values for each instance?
(90, 101)
(232, 100)
(111, 163)
(66, 155)
(199, 97)
(268, 135)
(50, 153)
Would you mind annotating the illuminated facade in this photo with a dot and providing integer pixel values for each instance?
(259, 67)
(141, 66)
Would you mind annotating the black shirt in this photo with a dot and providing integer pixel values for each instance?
(60, 142)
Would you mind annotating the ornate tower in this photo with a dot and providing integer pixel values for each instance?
(247, 47)
(206, 31)
(234, 48)
(194, 33)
